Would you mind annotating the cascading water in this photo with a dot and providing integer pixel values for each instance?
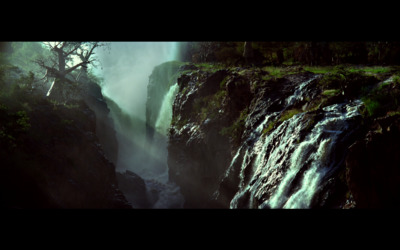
(126, 71)
(169, 195)
(280, 171)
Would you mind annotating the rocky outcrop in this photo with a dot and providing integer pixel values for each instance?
(198, 153)
(134, 189)
(227, 123)
(212, 113)
(373, 165)
(105, 129)
(160, 80)
(59, 162)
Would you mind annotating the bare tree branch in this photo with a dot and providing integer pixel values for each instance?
(61, 66)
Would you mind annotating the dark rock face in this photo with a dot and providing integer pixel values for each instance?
(197, 152)
(373, 166)
(134, 189)
(239, 93)
(60, 163)
(105, 130)
(208, 165)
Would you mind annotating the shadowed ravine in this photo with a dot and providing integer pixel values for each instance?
(239, 137)
(221, 125)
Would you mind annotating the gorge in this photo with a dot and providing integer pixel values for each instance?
(163, 131)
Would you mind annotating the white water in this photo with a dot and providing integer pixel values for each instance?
(272, 164)
(297, 95)
(169, 193)
(125, 73)
(165, 115)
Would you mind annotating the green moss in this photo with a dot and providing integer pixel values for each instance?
(210, 67)
(270, 126)
(331, 92)
(286, 115)
(278, 72)
(13, 126)
(371, 70)
(236, 129)
(22, 120)
(208, 106)
(178, 123)
(319, 69)
(332, 80)
(223, 82)
(382, 100)
(67, 122)
(372, 106)
(393, 113)
(185, 90)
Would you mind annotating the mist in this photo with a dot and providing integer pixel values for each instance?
(125, 70)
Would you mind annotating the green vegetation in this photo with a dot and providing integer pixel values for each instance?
(15, 96)
(178, 123)
(319, 69)
(270, 126)
(371, 70)
(349, 68)
(382, 100)
(310, 53)
(210, 67)
(279, 72)
(286, 115)
(331, 92)
(14, 124)
(236, 129)
(208, 106)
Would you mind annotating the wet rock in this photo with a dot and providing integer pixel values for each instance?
(105, 129)
(134, 189)
(373, 166)
(212, 83)
(63, 161)
(197, 152)
(188, 67)
(161, 79)
(239, 93)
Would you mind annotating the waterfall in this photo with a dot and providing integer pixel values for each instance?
(165, 115)
(169, 193)
(125, 73)
(281, 171)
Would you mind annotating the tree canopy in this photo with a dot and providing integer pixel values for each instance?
(65, 60)
(298, 52)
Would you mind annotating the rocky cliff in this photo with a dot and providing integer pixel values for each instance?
(51, 153)
(160, 80)
(253, 138)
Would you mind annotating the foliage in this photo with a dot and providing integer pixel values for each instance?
(309, 53)
(13, 125)
(384, 99)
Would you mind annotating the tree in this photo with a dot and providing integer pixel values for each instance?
(66, 58)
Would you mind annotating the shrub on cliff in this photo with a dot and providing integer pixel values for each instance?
(383, 99)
